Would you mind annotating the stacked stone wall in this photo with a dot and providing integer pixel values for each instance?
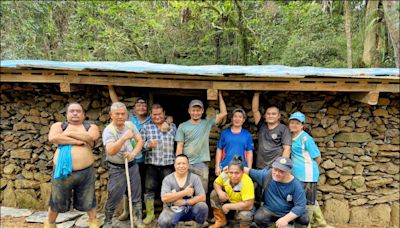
(359, 143)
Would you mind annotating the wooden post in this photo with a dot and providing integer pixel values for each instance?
(370, 98)
(212, 94)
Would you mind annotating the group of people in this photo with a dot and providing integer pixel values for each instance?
(286, 173)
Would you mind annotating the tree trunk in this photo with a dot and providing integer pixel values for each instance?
(347, 26)
(370, 55)
(243, 33)
(391, 12)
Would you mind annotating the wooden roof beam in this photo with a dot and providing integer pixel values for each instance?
(370, 98)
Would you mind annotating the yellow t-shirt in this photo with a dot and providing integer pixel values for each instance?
(244, 190)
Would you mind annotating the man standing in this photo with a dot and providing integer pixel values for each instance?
(234, 141)
(283, 196)
(117, 138)
(139, 117)
(73, 162)
(183, 196)
(233, 191)
(192, 138)
(273, 137)
(306, 157)
(159, 157)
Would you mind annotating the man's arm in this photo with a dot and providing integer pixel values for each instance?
(56, 136)
(179, 148)
(91, 136)
(283, 221)
(172, 197)
(113, 148)
(218, 156)
(239, 206)
(113, 94)
(286, 151)
(249, 158)
(255, 107)
(139, 144)
(222, 109)
(318, 160)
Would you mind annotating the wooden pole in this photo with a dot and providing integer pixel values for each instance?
(128, 184)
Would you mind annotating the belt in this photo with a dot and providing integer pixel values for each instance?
(121, 166)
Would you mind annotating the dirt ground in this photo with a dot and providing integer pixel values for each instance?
(9, 222)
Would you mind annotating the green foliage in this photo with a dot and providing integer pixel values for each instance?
(295, 33)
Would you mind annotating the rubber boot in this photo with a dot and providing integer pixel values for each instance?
(93, 223)
(108, 219)
(47, 224)
(137, 215)
(149, 212)
(220, 219)
(125, 214)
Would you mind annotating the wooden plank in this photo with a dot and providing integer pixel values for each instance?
(212, 94)
(340, 86)
(370, 98)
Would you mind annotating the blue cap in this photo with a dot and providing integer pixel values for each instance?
(298, 116)
(282, 163)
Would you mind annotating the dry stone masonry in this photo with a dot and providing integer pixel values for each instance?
(359, 180)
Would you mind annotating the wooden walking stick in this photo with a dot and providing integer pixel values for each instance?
(128, 183)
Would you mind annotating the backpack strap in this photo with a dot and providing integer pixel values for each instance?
(267, 181)
(65, 124)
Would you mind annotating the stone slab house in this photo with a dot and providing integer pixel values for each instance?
(353, 114)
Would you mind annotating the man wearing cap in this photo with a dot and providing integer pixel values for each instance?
(306, 157)
(192, 138)
(273, 137)
(139, 117)
(283, 196)
(234, 141)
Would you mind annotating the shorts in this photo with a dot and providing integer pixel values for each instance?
(310, 188)
(82, 182)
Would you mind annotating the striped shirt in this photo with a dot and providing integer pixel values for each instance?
(164, 153)
(304, 152)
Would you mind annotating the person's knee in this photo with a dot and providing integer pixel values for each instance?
(164, 221)
(303, 219)
(258, 218)
(201, 212)
(245, 217)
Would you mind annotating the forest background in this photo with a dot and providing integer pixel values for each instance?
(326, 33)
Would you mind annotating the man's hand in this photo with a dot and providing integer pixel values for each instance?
(180, 202)
(128, 135)
(152, 143)
(281, 223)
(130, 156)
(164, 127)
(189, 190)
(217, 170)
(223, 196)
(225, 208)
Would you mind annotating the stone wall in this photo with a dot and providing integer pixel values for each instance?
(359, 180)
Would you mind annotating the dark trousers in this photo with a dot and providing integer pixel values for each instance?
(154, 177)
(265, 218)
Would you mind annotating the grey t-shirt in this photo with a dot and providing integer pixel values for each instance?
(270, 143)
(169, 184)
(112, 134)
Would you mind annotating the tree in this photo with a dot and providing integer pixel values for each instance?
(391, 10)
(347, 25)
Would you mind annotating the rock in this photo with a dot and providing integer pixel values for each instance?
(390, 168)
(33, 119)
(394, 214)
(380, 214)
(333, 129)
(21, 153)
(327, 121)
(42, 178)
(359, 215)
(347, 170)
(313, 106)
(385, 199)
(68, 224)
(332, 189)
(8, 196)
(362, 123)
(27, 184)
(358, 170)
(380, 182)
(83, 220)
(344, 178)
(353, 137)
(358, 202)
(351, 150)
(389, 154)
(336, 211)
(333, 111)
(332, 174)
(381, 112)
(357, 182)
(23, 126)
(26, 198)
(45, 193)
(93, 114)
(318, 132)
(14, 212)
(41, 216)
(328, 164)
(387, 147)
(9, 169)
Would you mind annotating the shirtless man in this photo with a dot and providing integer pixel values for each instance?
(82, 137)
